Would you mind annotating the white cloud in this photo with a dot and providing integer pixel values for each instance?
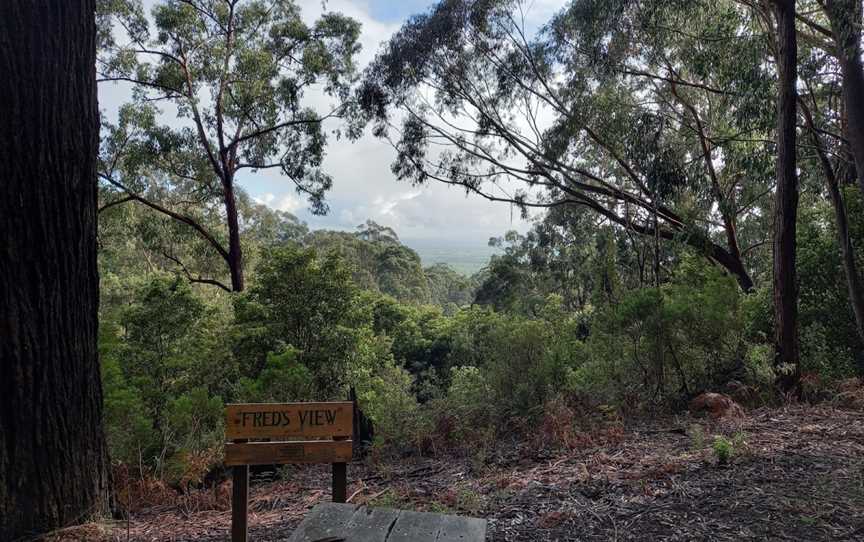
(285, 202)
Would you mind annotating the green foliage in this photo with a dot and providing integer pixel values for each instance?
(282, 380)
(128, 430)
(304, 330)
(420, 340)
(160, 330)
(193, 421)
(384, 392)
(467, 402)
(162, 371)
(448, 288)
(584, 309)
(723, 450)
(660, 345)
(504, 367)
(379, 262)
(574, 120)
(255, 61)
(759, 365)
(829, 339)
(305, 302)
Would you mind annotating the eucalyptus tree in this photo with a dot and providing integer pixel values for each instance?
(53, 460)
(786, 348)
(843, 34)
(654, 115)
(826, 151)
(246, 80)
(377, 259)
(134, 240)
(833, 114)
(571, 253)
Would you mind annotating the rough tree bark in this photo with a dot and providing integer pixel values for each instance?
(53, 468)
(786, 200)
(845, 17)
(235, 252)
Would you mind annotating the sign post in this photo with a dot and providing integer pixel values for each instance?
(276, 434)
(239, 501)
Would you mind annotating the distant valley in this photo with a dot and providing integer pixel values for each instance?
(464, 257)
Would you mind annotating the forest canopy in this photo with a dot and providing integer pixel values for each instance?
(185, 180)
(642, 137)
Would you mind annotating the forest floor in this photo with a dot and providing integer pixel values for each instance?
(796, 474)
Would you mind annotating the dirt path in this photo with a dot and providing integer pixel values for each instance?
(796, 474)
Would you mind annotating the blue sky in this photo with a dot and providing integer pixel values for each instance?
(364, 187)
(396, 11)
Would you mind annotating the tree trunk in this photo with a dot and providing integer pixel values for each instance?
(845, 17)
(786, 201)
(853, 278)
(53, 468)
(847, 251)
(724, 205)
(235, 253)
(660, 338)
(733, 265)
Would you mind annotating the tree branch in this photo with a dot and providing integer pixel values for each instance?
(115, 202)
(198, 279)
(176, 216)
(281, 125)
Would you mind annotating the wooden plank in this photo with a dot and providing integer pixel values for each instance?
(371, 524)
(332, 520)
(282, 420)
(277, 453)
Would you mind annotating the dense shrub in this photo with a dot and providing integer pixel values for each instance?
(662, 345)
(129, 431)
(283, 379)
(384, 392)
(173, 355)
(304, 301)
(163, 371)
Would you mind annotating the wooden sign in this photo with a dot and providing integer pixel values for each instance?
(278, 453)
(275, 423)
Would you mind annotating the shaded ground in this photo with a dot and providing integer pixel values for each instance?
(796, 474)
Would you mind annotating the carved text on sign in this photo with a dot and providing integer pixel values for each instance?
(282, 419)
(273, 421)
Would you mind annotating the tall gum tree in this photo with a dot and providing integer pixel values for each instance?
(845, 17)
(786, 349)
(829, 34)
(854, 284)
(53, 466)
(243, 78)
(605, 107)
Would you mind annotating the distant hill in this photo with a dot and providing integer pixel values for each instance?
(465, 257)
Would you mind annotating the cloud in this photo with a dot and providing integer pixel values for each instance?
(285, 202)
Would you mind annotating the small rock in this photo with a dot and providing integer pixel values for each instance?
(716, 405)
